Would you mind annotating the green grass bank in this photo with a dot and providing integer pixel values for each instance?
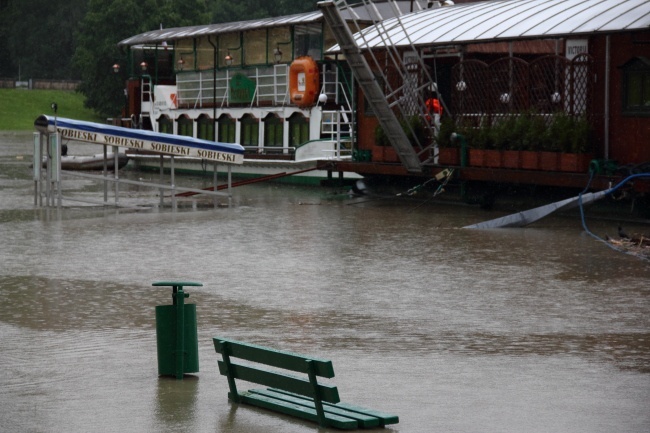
(20, 107)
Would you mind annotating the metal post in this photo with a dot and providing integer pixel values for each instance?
(214, 184)
(179, 301)
(116, 175)
(171, 163)
(37, 165)
(105, 175)
(229, 185)
(57, 164)
(48, 173)
(160, 178)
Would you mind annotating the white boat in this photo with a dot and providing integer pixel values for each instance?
(264, 84)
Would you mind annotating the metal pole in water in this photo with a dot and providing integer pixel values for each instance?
(105, 175)
(171, 162)
(162, 170)
(116, 175)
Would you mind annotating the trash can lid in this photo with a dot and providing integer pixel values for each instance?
(176, 283)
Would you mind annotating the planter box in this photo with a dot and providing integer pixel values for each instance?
(549, 161)
(529, 160)
(575, 162)
(384, 154)
(511, 159)
(449, 156)
(476, 157)
(492, 158)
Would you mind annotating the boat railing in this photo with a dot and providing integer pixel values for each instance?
(199, 89)
(269, 150)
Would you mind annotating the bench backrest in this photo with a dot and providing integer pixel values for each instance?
(313, 367)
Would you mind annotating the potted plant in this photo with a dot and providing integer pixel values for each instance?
(506, 136)
(575, 155)
(478, 140)
(448, 151)
(533, 139)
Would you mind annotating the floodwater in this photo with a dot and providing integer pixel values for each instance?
(540, 329)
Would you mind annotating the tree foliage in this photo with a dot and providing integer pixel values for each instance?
(77, 39)
(108, 22)
(37, 37)
(228, 11)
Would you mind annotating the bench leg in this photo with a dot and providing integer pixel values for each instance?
(318, 403)
(225, 350)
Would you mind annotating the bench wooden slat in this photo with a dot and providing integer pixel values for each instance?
(328, 393)
(364, 420)
(275, 358)
(383, 417)
(296, 410)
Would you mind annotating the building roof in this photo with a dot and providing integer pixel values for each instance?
(359, 12)
(507, 20)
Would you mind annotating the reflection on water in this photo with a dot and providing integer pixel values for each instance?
(539, 329)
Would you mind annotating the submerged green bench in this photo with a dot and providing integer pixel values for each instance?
(301, 397)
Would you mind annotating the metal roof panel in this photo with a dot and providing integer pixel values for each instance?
(507, 19)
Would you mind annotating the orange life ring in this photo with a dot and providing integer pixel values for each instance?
(303, 81)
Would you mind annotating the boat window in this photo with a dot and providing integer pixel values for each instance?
(229, 45)
(204, 54)
(308, 40)
(280, 39)
(185, 126)
(165, 125)
(250, 131)
(226, 129)
(205, 128)
(255, 47)
(298, 130)
(273, 131)
(184, 49)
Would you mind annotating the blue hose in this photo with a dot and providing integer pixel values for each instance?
(609, 191)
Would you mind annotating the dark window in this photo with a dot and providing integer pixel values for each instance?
(273, 131)
(205, 129)
(185, 126)
(636, 87)
(165, 125)
(250, 131)
(226, 129)
(298, 130)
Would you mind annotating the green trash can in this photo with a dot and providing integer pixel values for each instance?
(176, 335)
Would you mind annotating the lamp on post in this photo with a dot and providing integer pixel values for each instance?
(277, 54)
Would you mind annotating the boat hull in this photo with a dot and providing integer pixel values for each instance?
(298, 172)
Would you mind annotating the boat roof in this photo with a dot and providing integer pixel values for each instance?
(499, 20)
(358, 12)
(99, 133)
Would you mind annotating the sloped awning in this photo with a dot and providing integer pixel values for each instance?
(507, 20)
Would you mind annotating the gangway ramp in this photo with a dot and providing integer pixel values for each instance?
(51, 129)
(405, 101)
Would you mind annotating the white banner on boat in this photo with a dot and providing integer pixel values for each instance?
(141, 144)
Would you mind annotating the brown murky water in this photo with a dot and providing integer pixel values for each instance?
(518, 330)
